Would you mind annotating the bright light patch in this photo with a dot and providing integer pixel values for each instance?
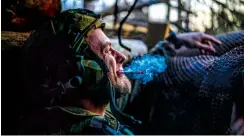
(72, 4)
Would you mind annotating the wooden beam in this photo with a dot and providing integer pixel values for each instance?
(10, 39)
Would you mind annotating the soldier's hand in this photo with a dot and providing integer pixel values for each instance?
(199, 40)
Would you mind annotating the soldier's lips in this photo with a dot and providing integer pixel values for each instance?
(120, 73)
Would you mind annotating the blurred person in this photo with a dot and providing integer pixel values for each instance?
(196, 93)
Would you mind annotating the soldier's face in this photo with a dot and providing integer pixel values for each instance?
(101, 45)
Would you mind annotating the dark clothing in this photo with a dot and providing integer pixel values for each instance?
(195, 94)
(66, 121)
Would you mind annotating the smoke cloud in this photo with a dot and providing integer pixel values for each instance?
(149, 65)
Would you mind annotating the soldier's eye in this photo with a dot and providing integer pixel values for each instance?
(107, 50)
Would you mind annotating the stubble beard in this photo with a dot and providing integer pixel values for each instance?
(122, 86)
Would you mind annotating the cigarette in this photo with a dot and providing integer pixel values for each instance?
(131, 72)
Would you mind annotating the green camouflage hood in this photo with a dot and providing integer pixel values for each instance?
(59, 61)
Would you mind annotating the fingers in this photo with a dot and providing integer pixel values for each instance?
(202, 52)
(211, 46)
(207, 47)
(211, 38)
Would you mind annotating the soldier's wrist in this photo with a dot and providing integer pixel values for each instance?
(172, 38)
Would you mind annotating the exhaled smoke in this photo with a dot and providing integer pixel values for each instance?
(148, 67)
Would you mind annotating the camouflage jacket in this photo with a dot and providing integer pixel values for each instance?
(72, 120)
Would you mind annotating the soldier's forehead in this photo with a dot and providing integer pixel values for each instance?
(101, 37)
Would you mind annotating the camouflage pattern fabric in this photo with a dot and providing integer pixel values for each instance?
(71, 121)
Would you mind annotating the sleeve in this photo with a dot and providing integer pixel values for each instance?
(174, 40)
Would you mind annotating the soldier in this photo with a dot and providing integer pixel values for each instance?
(72, 73)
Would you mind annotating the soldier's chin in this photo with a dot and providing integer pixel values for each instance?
(123, 88)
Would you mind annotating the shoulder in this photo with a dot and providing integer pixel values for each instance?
(51, 120)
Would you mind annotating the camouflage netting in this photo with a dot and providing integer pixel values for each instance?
(229, 41)
(195, 94)
(218, 88)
